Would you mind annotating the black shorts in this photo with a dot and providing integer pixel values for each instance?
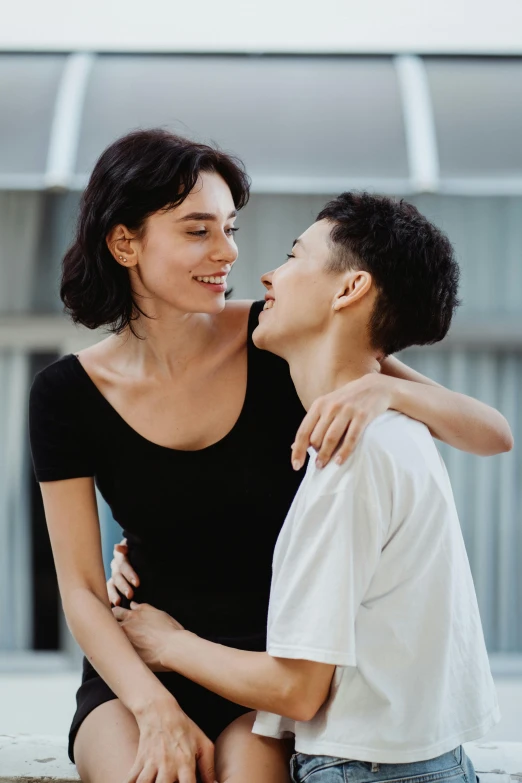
(210, 712)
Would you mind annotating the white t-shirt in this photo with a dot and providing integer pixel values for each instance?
(370, 573)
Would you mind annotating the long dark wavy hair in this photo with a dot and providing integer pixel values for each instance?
(137, 175)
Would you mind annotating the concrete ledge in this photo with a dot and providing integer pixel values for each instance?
(496, 762)
(26, 758)
(35, 759)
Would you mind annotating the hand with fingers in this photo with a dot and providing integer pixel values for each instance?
(149, 630)
(335, 422)
(123, 577)
(171, 747)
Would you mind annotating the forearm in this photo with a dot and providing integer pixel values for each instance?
(252, 679)
(110, 652)
(459, 420)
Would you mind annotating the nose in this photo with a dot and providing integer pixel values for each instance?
(224, 250)
(266, 279)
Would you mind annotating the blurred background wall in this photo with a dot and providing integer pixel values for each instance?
(422, 100)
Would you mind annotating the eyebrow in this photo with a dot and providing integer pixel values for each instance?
(205, 216)
(297, 242)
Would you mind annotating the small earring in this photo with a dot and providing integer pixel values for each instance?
(121, 258)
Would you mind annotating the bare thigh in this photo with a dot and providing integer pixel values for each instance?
(106, 744)
(243, 757)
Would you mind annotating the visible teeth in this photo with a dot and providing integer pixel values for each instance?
(214, 279)
(268, 304)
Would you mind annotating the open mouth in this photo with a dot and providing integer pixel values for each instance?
(217, 283)
(268, 305)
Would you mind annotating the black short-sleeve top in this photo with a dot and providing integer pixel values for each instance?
(201, 525)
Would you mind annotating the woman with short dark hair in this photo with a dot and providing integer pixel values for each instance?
(186, 429)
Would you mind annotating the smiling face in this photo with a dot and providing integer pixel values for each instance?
(183, 257)
(301, 293)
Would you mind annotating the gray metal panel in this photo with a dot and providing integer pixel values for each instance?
(28, 88)
(20, 216)
(15, 536)
(478, 115)
(286, 117)
(487, 491)
(59, 213)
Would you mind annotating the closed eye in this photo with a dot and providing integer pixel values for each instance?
(290, 255)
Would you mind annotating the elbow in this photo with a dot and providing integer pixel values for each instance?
(508, 444)
(504, 440)
(305, 711)
(300, 704)
(495, 437)
(508, 441)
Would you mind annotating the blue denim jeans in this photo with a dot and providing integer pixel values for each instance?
(454, 766)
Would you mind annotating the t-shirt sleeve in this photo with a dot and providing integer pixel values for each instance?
(60, 442)
(324, 566)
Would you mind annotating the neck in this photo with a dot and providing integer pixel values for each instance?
(323, 365)
(169, 342)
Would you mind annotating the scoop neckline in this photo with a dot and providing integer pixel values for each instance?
(152, 444)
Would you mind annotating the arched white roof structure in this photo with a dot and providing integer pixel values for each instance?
(302, 124)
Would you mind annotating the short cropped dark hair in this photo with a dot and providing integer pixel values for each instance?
(411, 261)
(137, 175)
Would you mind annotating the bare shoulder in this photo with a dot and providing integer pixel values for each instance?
(98, 358)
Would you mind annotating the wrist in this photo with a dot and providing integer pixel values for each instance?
(173, 647)
(155, 700)
(395, 390)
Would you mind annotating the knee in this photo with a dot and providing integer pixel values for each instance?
(106, 744)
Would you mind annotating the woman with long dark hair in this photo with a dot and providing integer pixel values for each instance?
(186, 429)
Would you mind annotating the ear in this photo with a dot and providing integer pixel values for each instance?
(120, 243)
(354, 287)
